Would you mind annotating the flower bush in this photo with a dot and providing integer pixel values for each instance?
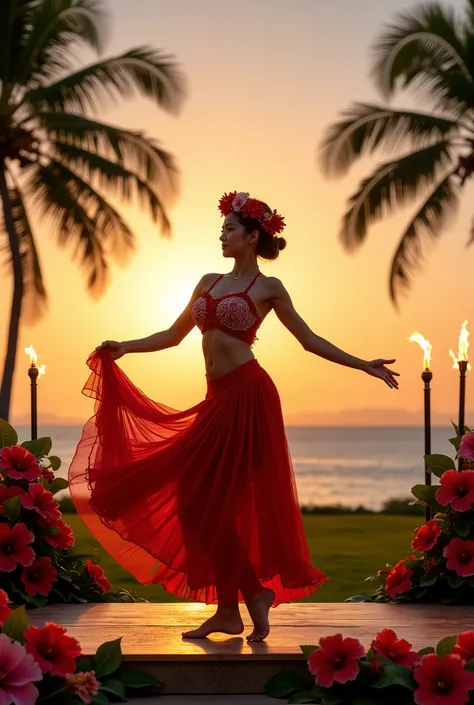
(441, 569)
(45, 664)
(389, 673)
(39, 562)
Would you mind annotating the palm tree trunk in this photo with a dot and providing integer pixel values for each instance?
(9, 366)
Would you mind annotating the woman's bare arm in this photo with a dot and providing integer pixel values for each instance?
(284, 309)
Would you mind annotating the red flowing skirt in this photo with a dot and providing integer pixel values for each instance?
(202, 501)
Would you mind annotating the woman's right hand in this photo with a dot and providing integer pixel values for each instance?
(113, 347)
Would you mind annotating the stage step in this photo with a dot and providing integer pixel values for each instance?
(230, 665)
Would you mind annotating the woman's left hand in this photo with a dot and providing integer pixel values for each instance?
(377, 368)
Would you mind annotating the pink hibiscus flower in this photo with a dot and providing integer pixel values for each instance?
(19, 670)
(460, 555)
(84, 684)
(466, 447)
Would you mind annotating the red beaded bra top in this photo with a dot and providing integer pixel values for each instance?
(235, 313)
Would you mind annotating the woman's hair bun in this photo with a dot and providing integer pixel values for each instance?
(281, 243)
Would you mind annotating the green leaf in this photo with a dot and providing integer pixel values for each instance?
(469, 666)
(363, 701)
(438, 464)
(333, 699)
(427, 581)
(55, 462)
(59, 483)
(358, 598)
(134, 678)
(99, 699)
(447, 600)
(456, 428)
(308, 649)
(83, 664)
(427, 494)
(8, 435)
(302, 696)
(281, 685)
(426, 650)
(15, 624)
(108, 657)
(39, 447)
(115, 687)
(395, 674)
(446, 645)
(456, 442)
(12, 508)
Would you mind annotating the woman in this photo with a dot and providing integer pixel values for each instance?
(204, 501)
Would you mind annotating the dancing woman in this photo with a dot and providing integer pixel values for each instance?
(203, 501)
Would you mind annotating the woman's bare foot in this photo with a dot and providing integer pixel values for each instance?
(219, 622)
(259, 607)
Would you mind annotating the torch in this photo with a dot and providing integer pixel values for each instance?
(426, 376)
(34, 373)
(462, 364)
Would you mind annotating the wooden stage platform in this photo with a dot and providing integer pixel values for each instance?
(224, 664)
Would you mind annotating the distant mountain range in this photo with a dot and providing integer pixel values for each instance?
(345, 417)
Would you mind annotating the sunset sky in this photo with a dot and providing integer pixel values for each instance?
(265, 78)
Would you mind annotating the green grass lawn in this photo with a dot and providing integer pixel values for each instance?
(346, 548)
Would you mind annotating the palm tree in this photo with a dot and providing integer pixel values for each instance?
(57, 156)
(430, 50)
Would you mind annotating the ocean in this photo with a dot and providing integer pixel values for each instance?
(349, 466)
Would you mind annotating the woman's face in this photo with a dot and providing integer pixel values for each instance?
(235, 239)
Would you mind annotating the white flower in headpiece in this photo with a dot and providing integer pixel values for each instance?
(240, 200)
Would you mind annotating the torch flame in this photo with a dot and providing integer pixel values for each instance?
(33, 356)
(463, 346)
(425, 345)
(34, 361)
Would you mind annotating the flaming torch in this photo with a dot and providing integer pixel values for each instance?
(462, 364)
(426, 376)
(34, 373)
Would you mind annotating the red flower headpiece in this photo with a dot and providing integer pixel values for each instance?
(251, 208)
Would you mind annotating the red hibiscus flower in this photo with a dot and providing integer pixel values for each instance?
(398, 580)
(8, 493)
(39, 577)
(225, 203)
(14, 547)
(98, 576)
(52, 649)
(275, 224)
(442, 681)
(336, 660)
(457, 490)
(426, 536)
(396, 650)
(465, 645)
(61, 540)
(466, 447)
(460, 555)
(19, 464)
(5, 611)
(42, 501)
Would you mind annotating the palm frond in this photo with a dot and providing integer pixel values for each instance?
(131, 150)
(113, 177)
(425, 227)
(73, 224)
(364, 128)
(35, 297)
(15, 21)
(425, 44)
(143, 70)
(56, 26)
(393, 184)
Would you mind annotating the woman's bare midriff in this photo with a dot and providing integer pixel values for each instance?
(223, 353)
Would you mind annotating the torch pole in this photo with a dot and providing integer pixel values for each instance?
(33, 375)
(427, 376)
(462, 401)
